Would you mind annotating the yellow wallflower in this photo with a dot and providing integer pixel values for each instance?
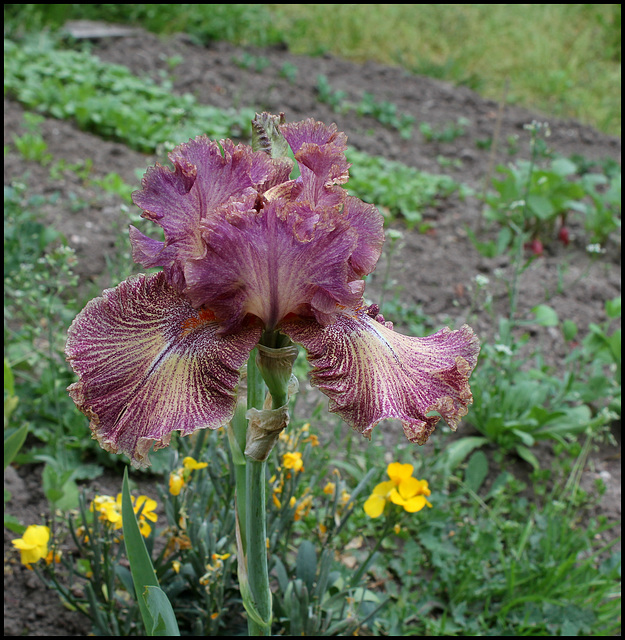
(293, 461)
(108, 508)
(398, 472)
(303, 508)
(176, 482)
(330, 488)
(144, 507)
(374, 506)
(33, 545)
(402, 489)
(191, 464)
(410, 494)
(179, 477)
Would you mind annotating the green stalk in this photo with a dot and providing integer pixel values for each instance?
(237, 430)
(252, 434)
(256, 520)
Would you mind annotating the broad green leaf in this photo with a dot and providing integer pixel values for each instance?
(545, 315)
(569, 330)
(9, 382)
(613, 307)
(13, 443)
(306, 564)
(162, 613)
(525, 437)
(476, 471)
(528, 456)
(541, 206)
(457, 451)
(563, 166)
(143, 574)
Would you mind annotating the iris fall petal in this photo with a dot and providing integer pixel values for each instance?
(149, 363)
(371, 372)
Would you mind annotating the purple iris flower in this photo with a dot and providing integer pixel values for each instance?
(250, 255)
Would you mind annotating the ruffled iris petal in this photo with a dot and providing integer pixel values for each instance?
(149, 363)
(205, 176)
(370, 372)
(283, 259)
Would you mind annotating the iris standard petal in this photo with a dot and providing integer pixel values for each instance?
(149, 363)
(285, 258)
(205, 176)
(371, 372)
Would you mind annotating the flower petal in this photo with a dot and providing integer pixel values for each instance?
(398, 471)
(374, 506)
(370, 372)
(285, 258)
(412, 505)
(320, 151)
(409, 487)
(149, 364)
(205, 176)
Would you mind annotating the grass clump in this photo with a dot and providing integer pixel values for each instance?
(562, 59)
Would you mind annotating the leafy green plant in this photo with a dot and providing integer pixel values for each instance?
(109, 100)
(31, 144)
(335, 98)
(289, 71)
(516, 406)
(386, 113)
(397, 189)
(534, 199)
(252, 62)
(602, 217)
(38, 273)
(538, 201)
(499, 564)
(597, 358)
(447, 133)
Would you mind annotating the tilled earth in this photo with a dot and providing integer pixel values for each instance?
(434, 271)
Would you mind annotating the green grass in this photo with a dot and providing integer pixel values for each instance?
(562, 59)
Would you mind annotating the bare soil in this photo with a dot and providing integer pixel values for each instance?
(433, 270)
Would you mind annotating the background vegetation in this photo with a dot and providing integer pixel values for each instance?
(562, 59)
(495, 554)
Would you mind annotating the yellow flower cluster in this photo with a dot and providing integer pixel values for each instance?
(293, 460)
(109, 510)
(402, 489)
(33, 545)
(302, 509)
(179, 477)
(212, 570)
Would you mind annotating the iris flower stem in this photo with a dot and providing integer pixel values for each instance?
(257, 549)
(256, 517)
(236, 437)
